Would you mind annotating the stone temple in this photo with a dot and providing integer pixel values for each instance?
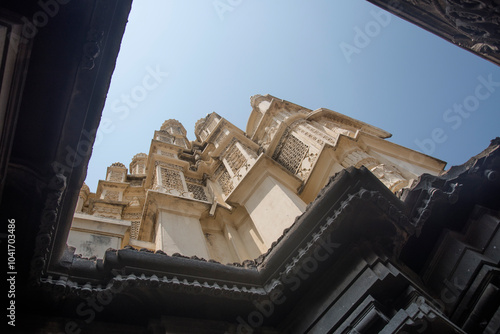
(306, 222)
(228, 195)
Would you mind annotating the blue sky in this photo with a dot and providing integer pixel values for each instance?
(185, 59)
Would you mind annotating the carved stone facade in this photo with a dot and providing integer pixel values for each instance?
(228, 195)
(224, 180)
(471, 24)
(290, 153)
(358, 260)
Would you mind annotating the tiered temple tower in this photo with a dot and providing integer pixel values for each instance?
(228, 195)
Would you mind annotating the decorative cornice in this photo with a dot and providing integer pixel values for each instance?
(118, 165)
(62, 286)
(49, 217)
(140, 156)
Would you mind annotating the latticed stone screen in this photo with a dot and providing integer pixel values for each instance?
(224, 180)
(292, 153)
(235, 159)
(198, 192)
(134, 229)
(171, 179)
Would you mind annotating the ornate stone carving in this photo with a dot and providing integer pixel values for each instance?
(136, 183)
(193, 180)
(224, 179)
(277, 150)
(479, 20)
(228, 147)
(471, 24)
(107, 211)
(115, 176)
(291, 153)
(297, 151)
(309, 161)
(389, 176)
(174, 192)
(112, 195)
(134, 202)
(134, 229)
(171, 179)
(235, 159)
(316, 135)
(270, 131)
(198, 192)
(358, 158)
(132, 215)
(167, 165)
(334, 128)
